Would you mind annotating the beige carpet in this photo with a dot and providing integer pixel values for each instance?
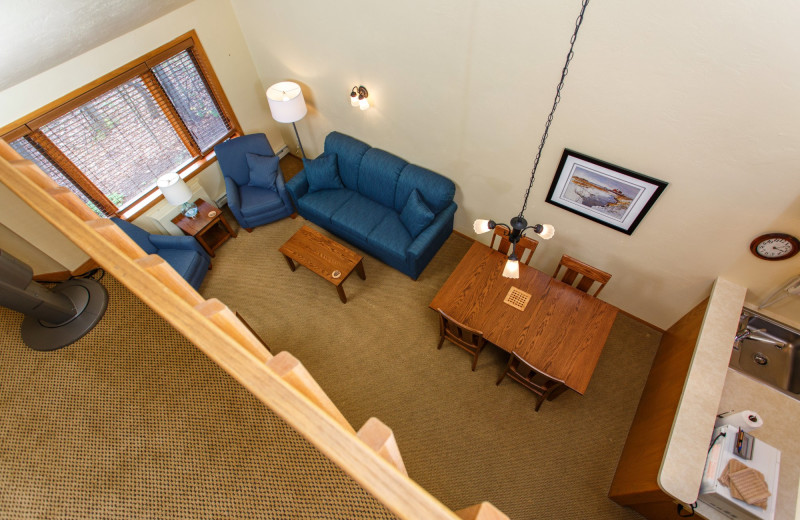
(133, 422)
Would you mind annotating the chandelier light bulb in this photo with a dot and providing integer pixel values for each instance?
(511, 269)
(481, 226)
(547, 231)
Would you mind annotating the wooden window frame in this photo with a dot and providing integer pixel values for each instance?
(29, 126)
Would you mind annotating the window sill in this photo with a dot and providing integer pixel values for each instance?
(154, 197)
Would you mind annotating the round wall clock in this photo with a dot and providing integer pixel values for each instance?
(775, 246)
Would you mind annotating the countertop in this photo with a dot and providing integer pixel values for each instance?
(711, 388)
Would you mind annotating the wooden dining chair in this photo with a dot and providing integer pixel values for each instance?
(526, 246)
(538, 382)
(524, 250)
(500, 240)
(581, 276)
(468, 339)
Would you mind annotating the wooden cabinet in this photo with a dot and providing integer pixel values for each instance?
(635, 483)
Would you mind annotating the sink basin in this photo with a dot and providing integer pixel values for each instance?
(768, 351)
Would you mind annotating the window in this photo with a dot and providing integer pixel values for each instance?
(110, 143)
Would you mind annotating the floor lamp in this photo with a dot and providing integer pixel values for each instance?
(287, 105)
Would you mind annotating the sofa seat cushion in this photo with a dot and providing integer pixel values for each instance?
(390, 238)
(259, 201)
(359, 216)
(320, 205)
(191, 266)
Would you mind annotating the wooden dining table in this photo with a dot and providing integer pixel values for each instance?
(561, 331)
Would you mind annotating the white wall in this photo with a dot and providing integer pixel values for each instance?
(219, 33)
(701, 95)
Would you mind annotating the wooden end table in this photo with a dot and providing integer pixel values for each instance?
(322, 256)
(210, 232)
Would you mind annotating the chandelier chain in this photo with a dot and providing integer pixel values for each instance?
(557, 99)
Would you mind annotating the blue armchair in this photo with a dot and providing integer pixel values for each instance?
(253, 181)
(184, 253)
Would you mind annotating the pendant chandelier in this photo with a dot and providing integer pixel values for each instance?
(519, 225)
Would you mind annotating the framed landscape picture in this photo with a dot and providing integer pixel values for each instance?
(599, 191)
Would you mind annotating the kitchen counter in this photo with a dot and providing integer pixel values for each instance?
(684, 458)
(711, 388)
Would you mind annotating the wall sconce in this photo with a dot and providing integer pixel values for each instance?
(358, 97)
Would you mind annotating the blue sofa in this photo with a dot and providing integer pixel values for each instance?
(184, 254)
(393, 210)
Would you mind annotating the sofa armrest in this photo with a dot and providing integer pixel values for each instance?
(436, 233)
(280, 188)
(173, 242)
(297, 186)
(232, 191)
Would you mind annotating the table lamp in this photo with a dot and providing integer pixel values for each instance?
(177, 193)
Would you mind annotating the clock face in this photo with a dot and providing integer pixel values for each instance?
(775, 246)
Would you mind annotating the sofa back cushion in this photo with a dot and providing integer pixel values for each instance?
(378, 174)
(349, 152)
(323, 173)
(436, 190)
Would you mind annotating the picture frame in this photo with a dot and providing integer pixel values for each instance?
(607, 194)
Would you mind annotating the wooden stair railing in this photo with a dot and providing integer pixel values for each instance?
(381, 439)
(281, 382)
(482, 511)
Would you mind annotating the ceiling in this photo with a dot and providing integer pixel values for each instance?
(39, 34)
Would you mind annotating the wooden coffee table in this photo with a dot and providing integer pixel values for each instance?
(321, 255)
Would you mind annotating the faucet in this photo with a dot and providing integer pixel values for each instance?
(748, 333)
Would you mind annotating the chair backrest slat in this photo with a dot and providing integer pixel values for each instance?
(588, 275)
(524, 249)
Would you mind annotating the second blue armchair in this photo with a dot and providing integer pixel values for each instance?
(253, 181)
(184, 254)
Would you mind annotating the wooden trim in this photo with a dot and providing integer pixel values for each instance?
(215, 87)
(58, 276)
(16, 133)
(78, 101)
(172, 51)
(194, 169)
(72, 171)
(84, 268)
(94, 84)
(643, 322)
(30, 124)
(402, 496)
(462, 235)
(155, 89)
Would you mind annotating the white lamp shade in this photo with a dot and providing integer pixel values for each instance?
(481, 226)
(548, 231)
(511, 269)
(174, 189)
(286, 102)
